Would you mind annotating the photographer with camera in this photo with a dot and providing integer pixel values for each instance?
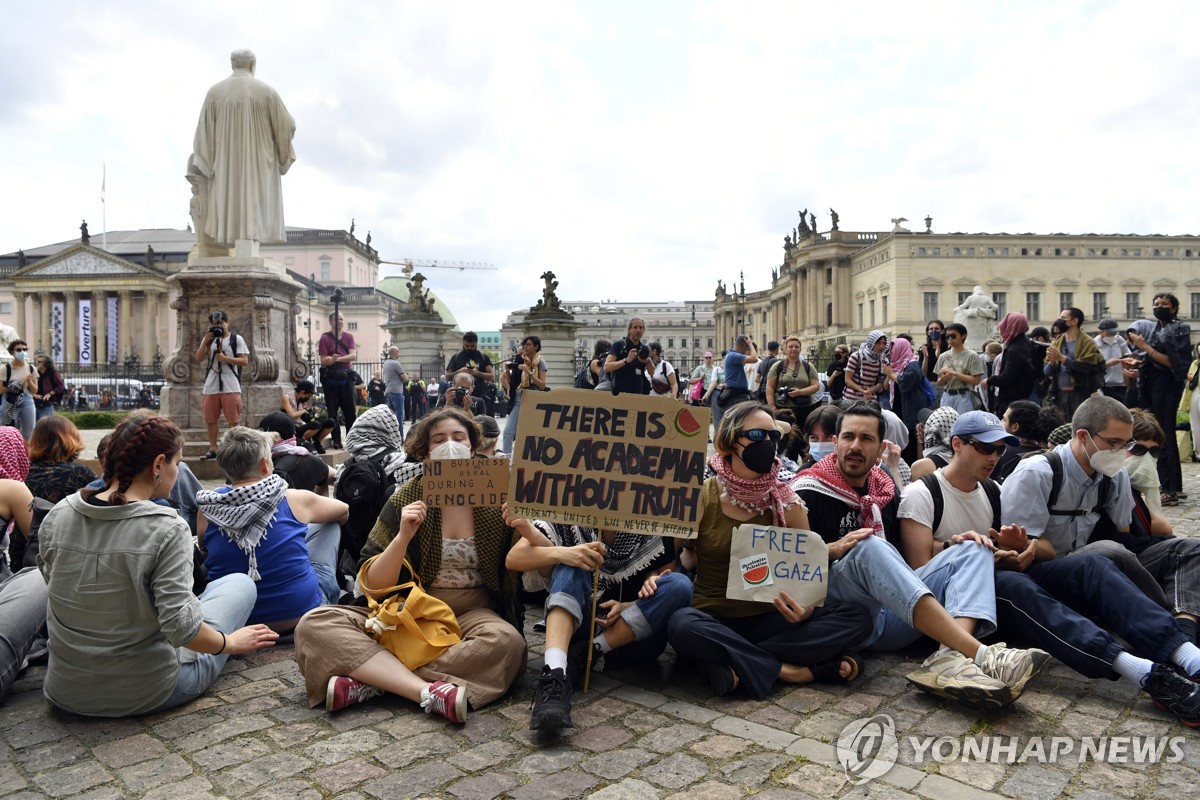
(628, 360)
(525, 372)
(310, 432)
(19, 387)
(225, 354)
(338, 353)
(459, 396)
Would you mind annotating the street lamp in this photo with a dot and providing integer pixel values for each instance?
(312, 295)
(742, 302)
(695, 355)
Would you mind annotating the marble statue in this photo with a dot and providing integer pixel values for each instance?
(978, 312)
(549, 301)
(352, 228)
(21, 260)
(834, 216)
(720, 288)
(804, 229)
(84, 236)
(812, 219)
(243, 146)
(8, 335)
(418, 295)
(898, 225)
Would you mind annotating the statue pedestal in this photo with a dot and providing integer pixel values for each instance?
(418, 341)
(557, 332)
(261, 303)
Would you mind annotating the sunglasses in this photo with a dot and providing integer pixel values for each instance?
(950, 336)
(758, 434)
(1141, 450)
(985, 449)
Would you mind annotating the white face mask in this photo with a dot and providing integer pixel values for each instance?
(451, 449)
(1106, 462)
(819, 450)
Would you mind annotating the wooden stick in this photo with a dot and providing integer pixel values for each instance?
(587, 675)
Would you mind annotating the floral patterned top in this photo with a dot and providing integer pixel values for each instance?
(460, 565)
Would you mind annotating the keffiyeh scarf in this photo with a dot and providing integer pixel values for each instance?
(377, 434)
(288, 447)
(14, 458)
(867, 350)
(760, 494)
(244, 513)
(626, 557)
(825, 477)
(937, 433)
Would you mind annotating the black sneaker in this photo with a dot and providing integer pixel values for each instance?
(577, 659)
(551, 702)
(1172, 692)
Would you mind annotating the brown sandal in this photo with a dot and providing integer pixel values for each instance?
(830, 671)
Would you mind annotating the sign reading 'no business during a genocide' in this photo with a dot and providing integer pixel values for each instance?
(622, 462)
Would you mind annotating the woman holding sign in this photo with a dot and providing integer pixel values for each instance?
(746, 643)
(459, 554)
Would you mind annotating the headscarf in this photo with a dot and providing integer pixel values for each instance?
(1144, 328)
(937, 433)
(1013, 325)
(288, 447)
(1060, 435)
(896, 430)
(867, 350)
(14, 458)
(244, 513)
(902, 354)
(376, 434)
(756, 494)
(825, 477)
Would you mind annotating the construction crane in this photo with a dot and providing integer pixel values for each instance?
(409, 264)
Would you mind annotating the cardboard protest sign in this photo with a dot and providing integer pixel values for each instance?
(623, 462)
(465, 482)
(765, 560)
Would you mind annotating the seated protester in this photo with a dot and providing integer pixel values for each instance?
(638, 594)
(285, 539)
(820, 431)
(751, 644)
(301, 467)
(138, 599)
(852, 504)
(459, 555)
(1094, 502)
(23, 595)
(1031, 424)
(14, 457)
(1048, 603)
(375, 439)
(459, 396)
(309, 431)
(936, 437)
(53, 471)
(489, 431)
(793, 448)
(1141, 463)
(891, 460)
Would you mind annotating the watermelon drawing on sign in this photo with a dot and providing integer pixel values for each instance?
(756, 575)
(756, 571)
(685, 423)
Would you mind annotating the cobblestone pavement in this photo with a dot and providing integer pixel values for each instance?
(639, 734)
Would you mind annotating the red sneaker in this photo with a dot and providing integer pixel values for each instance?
(448, 700)
(342, 692)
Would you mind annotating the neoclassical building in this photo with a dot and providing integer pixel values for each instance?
(105, 301)
(839, 285)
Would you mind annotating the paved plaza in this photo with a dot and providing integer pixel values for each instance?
(639, 734)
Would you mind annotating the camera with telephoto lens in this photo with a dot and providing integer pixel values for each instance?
(216, 318)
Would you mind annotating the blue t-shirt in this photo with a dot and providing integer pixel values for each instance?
(735, 375)
(630, 378)
(288, 587)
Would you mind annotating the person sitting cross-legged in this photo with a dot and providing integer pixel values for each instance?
(1047, 603)
(638, 595)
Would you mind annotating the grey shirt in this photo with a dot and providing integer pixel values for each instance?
(121, 602)
(1025, 493)
(393, 376)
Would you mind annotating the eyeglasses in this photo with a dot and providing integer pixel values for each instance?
(1141, 450)
(983, 448)
(758, 434)
(1114, 444)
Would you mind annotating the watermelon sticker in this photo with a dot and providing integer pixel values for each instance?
(756, 571)
(685, 423)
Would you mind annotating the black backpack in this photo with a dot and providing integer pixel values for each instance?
(23, 550)
(584, 378)
(990, 488)
(764, 372)
(1056, 479)
(362, 485)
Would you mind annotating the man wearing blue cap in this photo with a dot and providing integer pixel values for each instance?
(1046, 603)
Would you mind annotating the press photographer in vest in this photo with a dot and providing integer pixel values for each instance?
(225, 354)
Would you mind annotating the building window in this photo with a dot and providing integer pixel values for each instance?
(351, 326)
(749, 319)
(671, 343)
(861, 319)
(1099, 305)
(1033, 305)
(325, 269)
(1066, 299)
(829, 276)
(1001, 301)
(931, 305)
(1195, 306)
(7, 308)
(962, 297)
(1133, 305)
(884, 301)
(872, 313)
(710, 343)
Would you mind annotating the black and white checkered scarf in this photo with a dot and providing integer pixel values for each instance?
(244, 513)
(627, 557)
(376, 435)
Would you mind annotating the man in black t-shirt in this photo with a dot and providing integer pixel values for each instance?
(628, 360)
(472, 361)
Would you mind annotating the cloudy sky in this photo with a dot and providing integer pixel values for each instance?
(641, 150)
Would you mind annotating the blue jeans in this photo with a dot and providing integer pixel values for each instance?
(227, 603)
(571, 589)
(43, 412)
(395, 401)
(23, 599)
(510, 425)
(874, 575)
(322, 540)
(961, 403)
(19, 414)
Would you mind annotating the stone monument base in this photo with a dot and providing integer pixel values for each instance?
(557, 332)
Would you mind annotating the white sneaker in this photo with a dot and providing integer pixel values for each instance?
(950, 674)
(1014, 667)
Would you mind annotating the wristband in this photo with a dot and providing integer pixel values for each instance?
(224, 641)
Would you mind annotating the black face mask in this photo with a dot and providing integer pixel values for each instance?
(759, 456)
(1163, 314)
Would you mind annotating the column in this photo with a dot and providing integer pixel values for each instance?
(70, 327)
(164, 326)
(149, 326)
(99, 327)
(19, 303)
(38, 340)
(125, 325)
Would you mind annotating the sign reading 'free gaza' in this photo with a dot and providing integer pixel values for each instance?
(623, 462)
(765, 560)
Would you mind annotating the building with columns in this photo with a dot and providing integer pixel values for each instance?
(108, 302)
(839, 285)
